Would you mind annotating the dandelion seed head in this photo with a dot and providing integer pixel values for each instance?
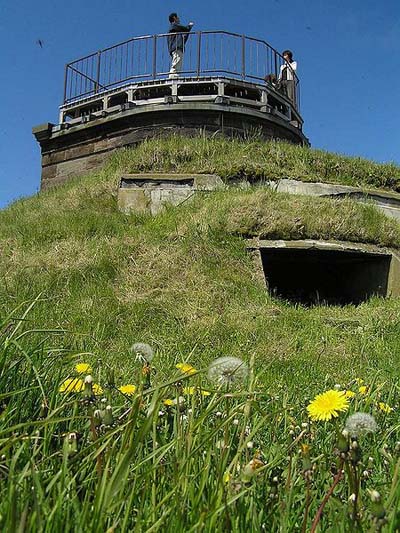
(360, 424)
(228, 371)
(143, 352)
(375, 496)
(108, 417)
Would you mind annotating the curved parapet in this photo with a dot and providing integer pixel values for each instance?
(124, 94)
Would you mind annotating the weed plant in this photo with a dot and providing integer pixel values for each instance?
(192, 453)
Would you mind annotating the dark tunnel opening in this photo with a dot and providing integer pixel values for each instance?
(325, 277)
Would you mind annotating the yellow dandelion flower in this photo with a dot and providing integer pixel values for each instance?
(186, 368)
(305, 449)
(327, 405)
(72, 385)
(193, 390)
(384, 407)
(363, 390)
(359, 381)
(349, 394)
(227, 477)
(168, 402)
(97, 390)
(83, 368)
(128, 390)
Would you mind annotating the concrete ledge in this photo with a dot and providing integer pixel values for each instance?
(388, 202)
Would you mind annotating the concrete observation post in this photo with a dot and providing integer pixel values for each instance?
(122, 95)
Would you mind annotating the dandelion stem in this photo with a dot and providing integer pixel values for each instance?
(307, 505)
(336, 480)
(99, 456)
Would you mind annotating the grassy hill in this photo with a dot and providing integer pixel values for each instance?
(82, 282)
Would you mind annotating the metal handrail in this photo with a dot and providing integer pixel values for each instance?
(147, 58)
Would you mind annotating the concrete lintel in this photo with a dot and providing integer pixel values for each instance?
(197, 181)
(313, 244)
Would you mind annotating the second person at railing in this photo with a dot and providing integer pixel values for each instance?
(287, 75)
(178, 35)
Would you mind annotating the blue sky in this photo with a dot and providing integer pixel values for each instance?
(347, 53)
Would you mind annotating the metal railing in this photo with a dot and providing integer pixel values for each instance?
(206, 54)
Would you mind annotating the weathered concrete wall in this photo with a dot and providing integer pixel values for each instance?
(150, 193)
(81, 148)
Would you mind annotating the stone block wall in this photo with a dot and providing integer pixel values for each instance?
(81, 148)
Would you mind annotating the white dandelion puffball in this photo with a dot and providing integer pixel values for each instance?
(143, 352)
(228, 371)
(360, 424)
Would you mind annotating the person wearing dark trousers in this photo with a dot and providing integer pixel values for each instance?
(178, 35)
(286, 75)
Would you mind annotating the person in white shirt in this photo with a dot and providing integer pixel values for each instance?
(286, 74)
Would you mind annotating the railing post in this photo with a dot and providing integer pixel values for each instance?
(96, 86)
(154, 56)
(276, 63)
(198, 54)
(243, 57)
(65, 83)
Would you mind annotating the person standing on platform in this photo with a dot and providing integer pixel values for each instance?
(287, 75)
(178, 35)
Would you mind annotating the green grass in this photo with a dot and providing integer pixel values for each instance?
(254, 160)
(247, 458)
(80, 281)
(184, 282)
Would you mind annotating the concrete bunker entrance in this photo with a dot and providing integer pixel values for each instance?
(313, 276)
